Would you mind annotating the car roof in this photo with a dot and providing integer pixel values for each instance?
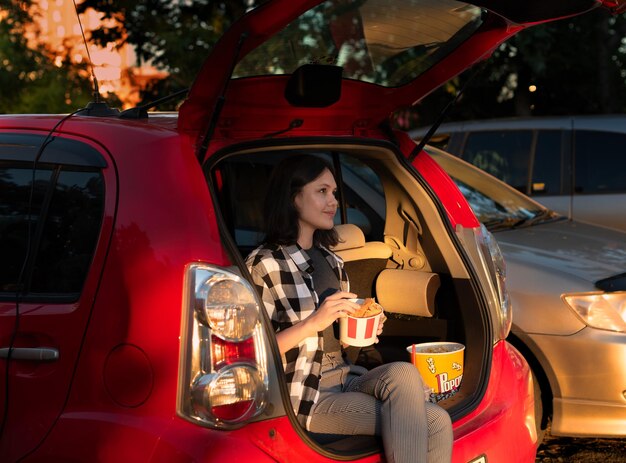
(605, 122)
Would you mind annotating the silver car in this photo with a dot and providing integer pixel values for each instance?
(571, 164)
(567, 283)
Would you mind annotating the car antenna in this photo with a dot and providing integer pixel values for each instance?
(97, 107)
(426, 138)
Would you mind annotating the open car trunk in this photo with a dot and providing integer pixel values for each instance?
(324, 77)
(405, 229)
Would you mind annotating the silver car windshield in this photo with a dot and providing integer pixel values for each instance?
(495, 204)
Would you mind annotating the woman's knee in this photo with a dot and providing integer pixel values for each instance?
(404, 375)
(438, 419)
(440, 434)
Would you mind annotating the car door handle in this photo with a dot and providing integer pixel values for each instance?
(37, 354)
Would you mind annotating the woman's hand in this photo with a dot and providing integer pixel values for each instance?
(334, 306)
(381, 323)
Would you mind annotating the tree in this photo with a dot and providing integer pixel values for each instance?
(31, 81)
(576, 65)
(19, 62)
(572, 66)
(174, 36)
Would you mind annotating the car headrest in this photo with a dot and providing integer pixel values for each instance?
(350, 237)
(408, 292)
(352, 245)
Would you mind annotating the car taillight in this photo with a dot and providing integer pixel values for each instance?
(494, 261)
(485, 253)
(223, 378)
(227, 352)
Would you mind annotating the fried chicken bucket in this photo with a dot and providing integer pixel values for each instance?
(360, 328)
(441, 366)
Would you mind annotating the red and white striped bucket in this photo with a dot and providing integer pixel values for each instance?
(359, 331)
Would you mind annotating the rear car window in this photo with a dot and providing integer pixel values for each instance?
(548, 173)
(243, 187)
(600, 162)
(61, 220)
(505, 155)
(386, 42)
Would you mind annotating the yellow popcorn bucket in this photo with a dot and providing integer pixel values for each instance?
(441, 367)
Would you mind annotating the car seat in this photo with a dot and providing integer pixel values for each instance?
(363, 261)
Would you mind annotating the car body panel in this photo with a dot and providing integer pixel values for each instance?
(171, 439)
(59, 327)
(578, 250)
(144, 247)
(457, 207)
(509, 365)
(548, 314)
(607, 210)
(260, 24)
(589, 386)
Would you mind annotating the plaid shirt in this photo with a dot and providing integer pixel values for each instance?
(282, 276)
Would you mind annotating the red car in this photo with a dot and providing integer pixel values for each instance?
(129, 330)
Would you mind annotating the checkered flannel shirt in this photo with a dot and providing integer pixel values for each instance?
(282, 276)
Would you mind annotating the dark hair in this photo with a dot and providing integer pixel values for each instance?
(281, 216)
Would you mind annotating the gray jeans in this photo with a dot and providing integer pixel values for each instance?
(387, 401)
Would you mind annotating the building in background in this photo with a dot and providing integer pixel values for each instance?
(116, 69)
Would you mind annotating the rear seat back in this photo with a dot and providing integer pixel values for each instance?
(402, 291)
(363, 260)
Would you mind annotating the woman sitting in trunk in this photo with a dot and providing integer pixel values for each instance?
(305, 291)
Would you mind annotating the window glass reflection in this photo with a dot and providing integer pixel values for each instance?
(386, 42)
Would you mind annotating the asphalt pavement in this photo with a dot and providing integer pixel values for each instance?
(581, 450)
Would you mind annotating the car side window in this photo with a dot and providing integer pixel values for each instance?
(365, 198)
(547, 164)
(503, 154)
(65, 214)
(242, 186)
(599, 162)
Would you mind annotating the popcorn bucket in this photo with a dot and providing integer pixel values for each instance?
(441, 367)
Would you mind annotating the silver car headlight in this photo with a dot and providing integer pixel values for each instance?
(604, 311)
